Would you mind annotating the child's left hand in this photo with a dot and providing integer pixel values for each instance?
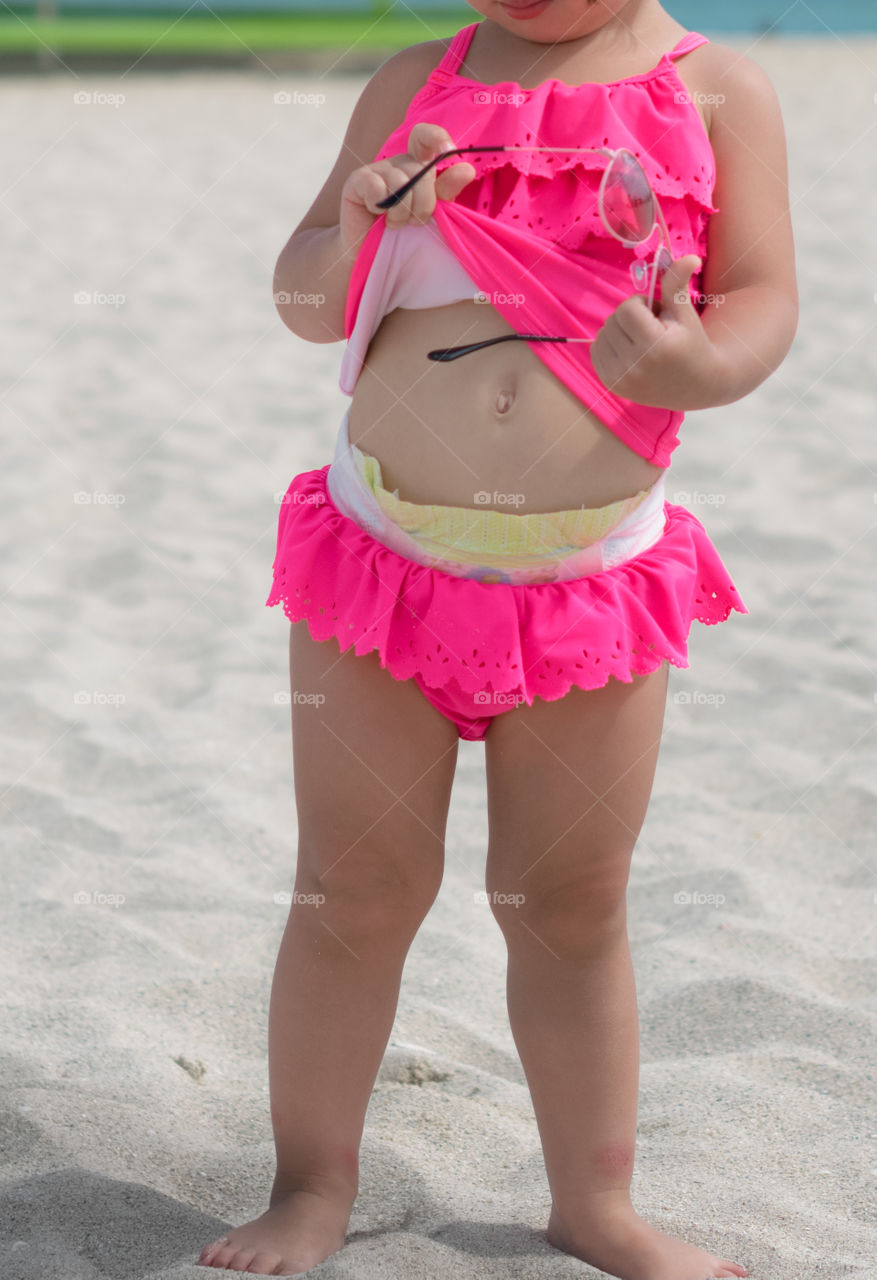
(664, 360)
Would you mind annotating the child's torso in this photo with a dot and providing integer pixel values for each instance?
(529, 223)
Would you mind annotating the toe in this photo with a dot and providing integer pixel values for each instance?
(224, 1256)
(209, 1252)
(265, 1264)
(242, 1259)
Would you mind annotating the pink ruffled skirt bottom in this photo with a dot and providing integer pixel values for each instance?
(477, 649)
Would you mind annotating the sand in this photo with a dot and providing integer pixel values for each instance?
(149, 823)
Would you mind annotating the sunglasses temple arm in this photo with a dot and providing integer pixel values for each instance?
(444, 354)
(663, 225)
(395, 196)
(668, 244)
(393, 199)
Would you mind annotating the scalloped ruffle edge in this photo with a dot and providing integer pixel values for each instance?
(539, 165)
(423, 621)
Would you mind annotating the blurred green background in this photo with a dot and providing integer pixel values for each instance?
(135, 28)
(242, 28)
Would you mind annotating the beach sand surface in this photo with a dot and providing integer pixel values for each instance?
(149, 829)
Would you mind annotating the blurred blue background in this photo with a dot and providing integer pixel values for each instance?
(781, 16)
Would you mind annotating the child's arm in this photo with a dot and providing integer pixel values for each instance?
(751, 252)
(312, 274)
(679, 360)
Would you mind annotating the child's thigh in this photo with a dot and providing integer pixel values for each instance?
(568, 784)
(373, 763)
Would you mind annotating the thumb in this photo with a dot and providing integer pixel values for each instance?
(675, 295)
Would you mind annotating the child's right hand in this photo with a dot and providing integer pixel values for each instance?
(373, 182)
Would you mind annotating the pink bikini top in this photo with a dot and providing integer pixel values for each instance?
(528, 224)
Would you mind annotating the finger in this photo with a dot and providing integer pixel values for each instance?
(368, 186)
(375, 181)
(445, 186)
(636, 322)
(623, 338)
(676, 300)
(682, 269)
(451, 181)
(607, 350)
(394, 177)
(409, 168)
(426, 141)
(423, 197)
(420, 199)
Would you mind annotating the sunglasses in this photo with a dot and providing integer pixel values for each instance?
(627, 206)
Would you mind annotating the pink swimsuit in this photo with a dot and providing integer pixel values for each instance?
(527, 225)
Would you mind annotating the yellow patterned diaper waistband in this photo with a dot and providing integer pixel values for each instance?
(472, 533)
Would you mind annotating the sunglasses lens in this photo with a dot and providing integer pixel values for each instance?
(628, 203)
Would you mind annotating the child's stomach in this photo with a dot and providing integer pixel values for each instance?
(496, 422)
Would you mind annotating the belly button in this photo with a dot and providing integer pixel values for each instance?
(504, 401)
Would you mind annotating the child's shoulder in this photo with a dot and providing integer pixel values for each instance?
(727, 63)
(410, 66)
(726, 82)
(386, 96)
(388, 92)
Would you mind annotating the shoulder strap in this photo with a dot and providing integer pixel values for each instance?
(691, 40)
(456, 52)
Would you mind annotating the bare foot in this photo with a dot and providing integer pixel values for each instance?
(623, 1245)
(300, 1229)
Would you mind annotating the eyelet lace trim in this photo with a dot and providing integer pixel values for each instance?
(350, 587)
(695, 180)
(563, 207)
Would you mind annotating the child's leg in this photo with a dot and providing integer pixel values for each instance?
(568, 788)
(373, 765)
